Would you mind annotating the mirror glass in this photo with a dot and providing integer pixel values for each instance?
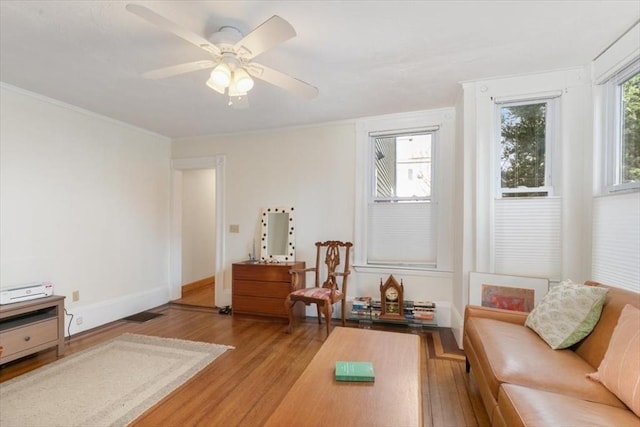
(278, 235)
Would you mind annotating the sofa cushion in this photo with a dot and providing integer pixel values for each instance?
(620, 368)
(511, 353)
(567, 313)
(522, 406)
(594, 346)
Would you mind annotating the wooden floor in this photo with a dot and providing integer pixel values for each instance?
(203, 296)
(245, 385)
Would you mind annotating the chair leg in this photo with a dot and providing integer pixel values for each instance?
(289, 308)
(319, 314)
(344, 310)
(328, 308)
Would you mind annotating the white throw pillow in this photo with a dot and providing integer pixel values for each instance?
(567, 313)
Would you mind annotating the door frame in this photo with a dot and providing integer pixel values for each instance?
(175, 256)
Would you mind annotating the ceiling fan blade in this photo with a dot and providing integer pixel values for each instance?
(174, 70)
(162, 22)
(282, 80)
(271, 32)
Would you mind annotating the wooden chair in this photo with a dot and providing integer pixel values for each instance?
(327, 293)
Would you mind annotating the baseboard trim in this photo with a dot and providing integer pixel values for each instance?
(198, 284)
(98, 314)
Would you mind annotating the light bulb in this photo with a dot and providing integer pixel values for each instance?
(242, 81)
(221, 75)
(215, 86)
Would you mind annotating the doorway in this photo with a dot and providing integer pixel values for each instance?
(198, 237)
(197, 226)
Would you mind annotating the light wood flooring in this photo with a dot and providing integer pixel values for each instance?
(201, 296)
(245, 385)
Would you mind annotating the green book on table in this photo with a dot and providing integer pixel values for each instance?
(354, 371)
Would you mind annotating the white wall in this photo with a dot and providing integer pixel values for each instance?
(198, 224)
(616, 216)
(312, 169)
(432, 284)
(474, 209)
(573, 156)
(84, 203)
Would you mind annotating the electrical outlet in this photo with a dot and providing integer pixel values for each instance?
(75, 296)
(79, 320)
(234, 228)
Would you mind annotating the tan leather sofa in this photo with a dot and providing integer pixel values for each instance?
(523, 382)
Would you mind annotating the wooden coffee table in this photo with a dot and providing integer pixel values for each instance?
(394, 399)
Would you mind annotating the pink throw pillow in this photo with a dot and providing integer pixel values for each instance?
(619, 370)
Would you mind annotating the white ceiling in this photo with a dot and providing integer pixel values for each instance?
(366, 57)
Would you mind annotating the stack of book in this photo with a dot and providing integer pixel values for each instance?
(368, 308)
(376, 308)
(361, 307)
(424, 310)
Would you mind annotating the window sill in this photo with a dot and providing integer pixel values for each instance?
(623, 188)
(400, 269)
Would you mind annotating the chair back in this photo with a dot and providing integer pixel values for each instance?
(332, 262)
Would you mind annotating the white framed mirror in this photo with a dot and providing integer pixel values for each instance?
(277, 240)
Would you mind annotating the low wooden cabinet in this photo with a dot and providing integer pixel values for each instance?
(260, 289)
(31, 326)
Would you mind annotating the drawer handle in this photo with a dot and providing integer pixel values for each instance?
(27, 338)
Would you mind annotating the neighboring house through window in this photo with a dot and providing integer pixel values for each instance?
(404, 185)
(400, 212)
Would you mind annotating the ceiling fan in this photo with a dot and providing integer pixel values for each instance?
(232, 57)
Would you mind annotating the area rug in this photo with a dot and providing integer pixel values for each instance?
(110, 384)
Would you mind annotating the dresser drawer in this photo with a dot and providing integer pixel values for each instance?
(261, 289)
(26, 337)
(265, 272)
(259, 305)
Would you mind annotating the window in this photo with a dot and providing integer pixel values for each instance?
(527, 213)
(400, 213)
(623, 125)
(402, 167)
(526, 134)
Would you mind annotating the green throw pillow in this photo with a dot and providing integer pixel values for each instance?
(567, 314)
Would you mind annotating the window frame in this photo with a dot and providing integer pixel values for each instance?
(443, 120)
(613, 134)
(552, 133)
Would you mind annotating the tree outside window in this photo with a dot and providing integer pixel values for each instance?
(523, 145)
(630, 164)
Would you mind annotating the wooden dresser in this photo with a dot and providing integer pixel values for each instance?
(260, 289)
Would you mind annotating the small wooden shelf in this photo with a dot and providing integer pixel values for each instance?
(31, 326)
(405, 321)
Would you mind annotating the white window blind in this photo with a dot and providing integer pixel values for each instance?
(527, 237)
(616, 240)
(401, 233)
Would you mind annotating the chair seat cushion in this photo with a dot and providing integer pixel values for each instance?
(316, 293)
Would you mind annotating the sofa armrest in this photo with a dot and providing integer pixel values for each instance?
(517, 317)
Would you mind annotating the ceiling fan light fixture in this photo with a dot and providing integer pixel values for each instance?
(221, 75)
(215, 86)
(235, 92)
(242, 81)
